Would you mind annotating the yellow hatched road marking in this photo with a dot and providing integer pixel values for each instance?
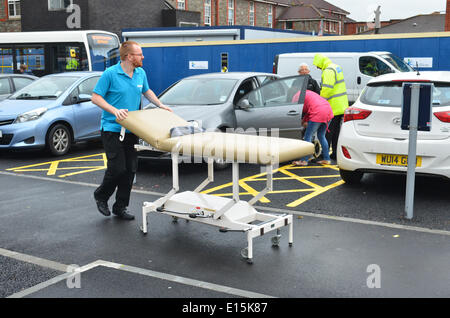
(313, 190)
(52, 167)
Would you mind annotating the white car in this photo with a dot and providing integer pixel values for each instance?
(371, 139)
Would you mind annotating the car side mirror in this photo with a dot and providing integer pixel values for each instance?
(243, 104)
(83, 98)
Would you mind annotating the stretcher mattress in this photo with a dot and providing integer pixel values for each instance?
(154, 125)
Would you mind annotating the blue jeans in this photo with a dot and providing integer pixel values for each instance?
(321, 129)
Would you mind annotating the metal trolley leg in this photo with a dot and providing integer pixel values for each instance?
(247, 252)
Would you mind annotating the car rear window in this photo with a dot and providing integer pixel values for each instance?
(390, 94)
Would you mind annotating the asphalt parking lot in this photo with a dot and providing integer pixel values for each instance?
(348, 241)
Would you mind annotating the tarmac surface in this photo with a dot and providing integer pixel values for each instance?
(55, 244)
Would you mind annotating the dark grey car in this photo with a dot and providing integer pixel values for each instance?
(9, 83)
(243, 102)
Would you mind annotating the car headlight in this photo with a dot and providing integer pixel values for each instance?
(31, 115)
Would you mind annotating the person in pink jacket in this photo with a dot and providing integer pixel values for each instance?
(317, 113)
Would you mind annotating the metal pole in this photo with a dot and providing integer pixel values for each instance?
(411, 174)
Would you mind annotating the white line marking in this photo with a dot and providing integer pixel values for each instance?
(86, 184)
(33, 260)
(352, 220)
(131, 269)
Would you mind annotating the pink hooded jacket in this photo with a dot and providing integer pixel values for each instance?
(315, 108)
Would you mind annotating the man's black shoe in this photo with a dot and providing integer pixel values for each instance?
(123, 215)
(102, 207)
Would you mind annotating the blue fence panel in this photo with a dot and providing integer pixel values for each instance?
(167, 64)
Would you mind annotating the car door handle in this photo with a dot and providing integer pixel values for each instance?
(293, 113)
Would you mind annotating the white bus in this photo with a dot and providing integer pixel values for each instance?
(58, 51)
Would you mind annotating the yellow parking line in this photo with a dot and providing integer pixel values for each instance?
(252, 191)
(314, 194)
(300, 179)
(271, 192)
(313, 190)
(52, 167)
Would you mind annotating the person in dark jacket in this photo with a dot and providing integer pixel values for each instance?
(303, 69)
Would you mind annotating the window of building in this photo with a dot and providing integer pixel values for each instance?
(270, 16)
(251, 13)
(207, 17)
(181, 4)
(14, 8)
(54, 5)
(230, 12)
(288, 25)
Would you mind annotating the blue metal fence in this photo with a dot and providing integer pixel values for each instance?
(166, 63)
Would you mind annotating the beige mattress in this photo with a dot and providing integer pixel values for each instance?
(153, 126)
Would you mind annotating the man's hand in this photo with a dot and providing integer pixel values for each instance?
(166, 108)
(121, 114)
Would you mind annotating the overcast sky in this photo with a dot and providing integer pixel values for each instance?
(390, 9)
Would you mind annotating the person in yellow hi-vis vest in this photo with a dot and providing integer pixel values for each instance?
(334, 91)
(72, 63)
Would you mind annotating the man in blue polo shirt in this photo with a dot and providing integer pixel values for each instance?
(118, 91)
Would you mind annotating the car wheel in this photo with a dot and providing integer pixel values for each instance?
(317, 148)
(351, 177)
(59, 140)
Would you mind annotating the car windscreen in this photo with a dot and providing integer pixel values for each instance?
(390, 94)
(50, 87)
(398, 63)
(199, 91)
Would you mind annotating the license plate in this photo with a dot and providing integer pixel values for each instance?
(396, 160)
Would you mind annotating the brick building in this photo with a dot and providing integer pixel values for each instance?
(300, 15)
(10, 16)
(232, 12)
(353, 27)
(107, 15)
(447, 17)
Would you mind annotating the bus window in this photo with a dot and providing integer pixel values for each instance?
(104, 50)
(32, 57)
(69, 57)
(6, 60)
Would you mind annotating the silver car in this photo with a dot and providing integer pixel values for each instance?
(9, 83)
(246, 102)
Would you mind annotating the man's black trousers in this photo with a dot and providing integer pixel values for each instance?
(333, 135)
(121, 168)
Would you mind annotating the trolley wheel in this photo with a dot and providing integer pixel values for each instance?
(142, 230)
(244, 253)
(276, 240)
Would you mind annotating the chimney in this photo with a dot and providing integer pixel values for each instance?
(447, 17)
